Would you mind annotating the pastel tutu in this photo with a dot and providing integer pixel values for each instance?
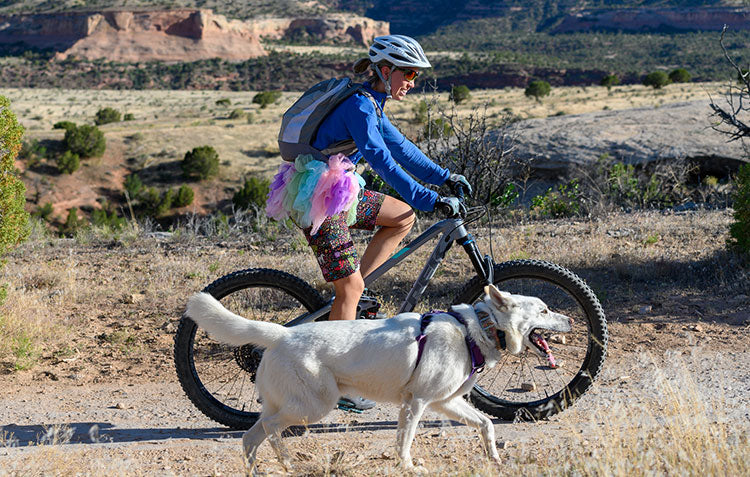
(308, 191)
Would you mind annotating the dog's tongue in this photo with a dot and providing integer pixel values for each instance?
(542, 343)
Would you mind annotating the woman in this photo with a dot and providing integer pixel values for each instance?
(394, 61)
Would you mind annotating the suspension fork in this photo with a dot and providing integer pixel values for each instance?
(485, 267)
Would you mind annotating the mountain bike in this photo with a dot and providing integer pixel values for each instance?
(219, 379)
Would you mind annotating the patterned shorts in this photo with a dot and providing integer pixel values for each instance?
(333, 245)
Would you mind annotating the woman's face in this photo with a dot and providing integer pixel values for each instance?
(402, 80)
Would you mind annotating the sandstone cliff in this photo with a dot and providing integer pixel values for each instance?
(332, 28)
(654, 19)
(174, 35)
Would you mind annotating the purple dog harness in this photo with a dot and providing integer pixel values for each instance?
(477, 358)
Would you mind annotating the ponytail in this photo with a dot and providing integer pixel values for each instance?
(362, 66)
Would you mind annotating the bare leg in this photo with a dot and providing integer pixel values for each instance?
(395, 220)
(348, 291)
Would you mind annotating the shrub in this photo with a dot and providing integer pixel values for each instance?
(609, 81)
(537, 89)
(184, 196)
(420, 112)
(64, 125)
(252, 194)
(86, 141)
(68, 162)
(656, 80)
(680, 75)
(14, 220)
(563, 202)
(459, 94)
(740, 229)
(32, 152)
(44, 212)
(223, 102)
(237, 114)
(106, 116)
(154, 203)
(128, 117)
(72, 223)
(202, 163)
(107, 217)
(133, 186)
(264, 98)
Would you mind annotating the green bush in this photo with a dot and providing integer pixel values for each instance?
(44, 212)
(86, 141)
(537, 90)
(252, 194)
(679, 75)
(656, 80)
(563, 202)
(223, 102)
(133, 186)
(420, 112)
(32, 152)
(610, 80)
(72, 223)
(460, 93)
(128, 117)
(107, 217)
(106, 116)
(184, 196)
(68, 162)
(201, 163)
(154, 203)
(264, 98)
(64, 125)
(740, 229)
(237, 114)
(14, 220)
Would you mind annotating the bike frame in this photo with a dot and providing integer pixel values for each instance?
(452, 230)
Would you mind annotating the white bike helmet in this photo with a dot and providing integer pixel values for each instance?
(398, 50)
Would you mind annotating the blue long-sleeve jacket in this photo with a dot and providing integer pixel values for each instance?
(388, 153)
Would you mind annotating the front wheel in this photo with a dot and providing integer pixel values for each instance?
(220, 379)
(526, 387)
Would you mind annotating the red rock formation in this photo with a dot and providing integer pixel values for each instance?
(647, 19)
(328, 29)
(173, 35)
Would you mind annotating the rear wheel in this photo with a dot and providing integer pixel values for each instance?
(527, 387)
(220, 379)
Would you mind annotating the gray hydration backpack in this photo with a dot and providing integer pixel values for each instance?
(301, 121)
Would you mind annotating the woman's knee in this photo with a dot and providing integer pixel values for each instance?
(353, 285)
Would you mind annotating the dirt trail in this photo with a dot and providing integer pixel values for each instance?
(152, 429)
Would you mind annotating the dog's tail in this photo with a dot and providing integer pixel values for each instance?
(225, 326)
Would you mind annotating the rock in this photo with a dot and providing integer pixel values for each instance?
(528, 386)
(503, 444)
(560, 339)
(556, 144)
(133, 298)
(187, 34)
(645, 310)
(120, 405)
(696, 328)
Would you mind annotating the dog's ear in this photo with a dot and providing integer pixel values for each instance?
(502, 300)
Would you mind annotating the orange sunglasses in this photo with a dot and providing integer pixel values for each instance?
(409, 75)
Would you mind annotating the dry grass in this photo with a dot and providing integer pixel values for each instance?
(674, 428)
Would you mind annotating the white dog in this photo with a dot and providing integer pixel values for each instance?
(306, 368)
